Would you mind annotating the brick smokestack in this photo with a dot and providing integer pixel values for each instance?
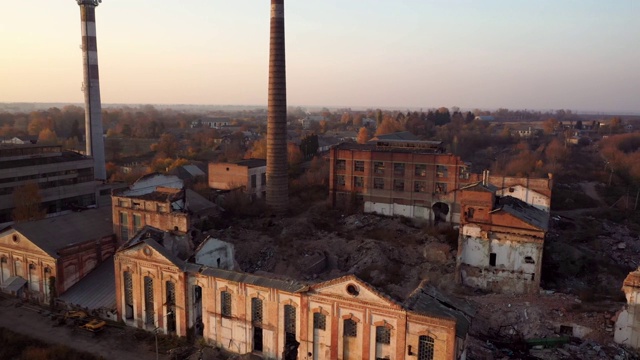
(91, 88)
(277, 178)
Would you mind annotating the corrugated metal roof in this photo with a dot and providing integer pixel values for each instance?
(426, 300)
(54, 233)
(291, 286)
(13, 284)
(96, 290)
(525, 212)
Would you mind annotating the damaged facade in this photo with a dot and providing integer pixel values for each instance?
(394, 175)
(42, 259)
(248, 176)
(627, 328)
(344, 318)
(500, 241)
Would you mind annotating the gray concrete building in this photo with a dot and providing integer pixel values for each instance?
(65, 178)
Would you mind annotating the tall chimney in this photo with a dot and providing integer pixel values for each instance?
(277, 178)
(91, 88)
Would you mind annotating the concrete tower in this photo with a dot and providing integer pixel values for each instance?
(277, 178)
(91, 88)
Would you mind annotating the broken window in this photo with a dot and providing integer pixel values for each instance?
(398, 169)
(441, 171)
(340, 180)
(264, 179)
(290, 319)
(358, 181)
(378, 183)
(319, 321)
(358, 166)
(425, 348)
(529, 260)
(148, 301)
(225, 303)
(137, 222)
(383, 335)
(470, 212)
(420, 186)
(124, 226)
(171, 302)
(441, 188)
(253, 181)
(128, 294)
(421, 170)
(256, 310)
(378, 167)
(492, 259)
(464, 173)
(341, 164)
(398, 184)
(350, 328)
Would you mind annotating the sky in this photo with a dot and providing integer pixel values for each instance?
(582, 55)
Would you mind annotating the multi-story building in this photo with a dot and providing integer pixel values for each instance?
(395, 175)
(344, 318)
(65, 178)
(500, 241)
(249, 176)
(39, 259)
(398, 177)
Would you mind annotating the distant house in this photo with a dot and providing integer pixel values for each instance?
(21, 140)
(211, 122)
(309, 119)
(528, 132)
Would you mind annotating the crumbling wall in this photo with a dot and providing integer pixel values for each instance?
(498, 262)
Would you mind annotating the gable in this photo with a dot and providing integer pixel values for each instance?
(503, 218)
(142, 252)
(16, 241)
(351, 288)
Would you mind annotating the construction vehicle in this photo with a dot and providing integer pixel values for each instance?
(94, 326)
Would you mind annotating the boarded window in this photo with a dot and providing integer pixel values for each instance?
(383, 335)
(419, 186)
(319, 321)
(425, 348)
(358, 166)
(225, 303)
(350, 328)
(256, 310)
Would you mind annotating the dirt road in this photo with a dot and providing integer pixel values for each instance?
(112, 344)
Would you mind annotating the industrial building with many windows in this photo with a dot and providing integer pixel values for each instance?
(65, 178)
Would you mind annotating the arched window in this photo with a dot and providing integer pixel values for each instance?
(128, 295)
(148, 301)
(425, 348)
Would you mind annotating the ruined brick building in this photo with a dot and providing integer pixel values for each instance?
(248, 176)
(500, 242)
(43, 259)
(627, 328)
(392, 175)
(159, 286)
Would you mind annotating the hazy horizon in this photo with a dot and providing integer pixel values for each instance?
(582, 56)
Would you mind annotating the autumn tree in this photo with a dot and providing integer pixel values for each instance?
(47, 137)
(549, 126)
(363, 135)
(258, 150)
(294, 155)
(309, 145)
(28, 202)
(389, 126)
(167, 146)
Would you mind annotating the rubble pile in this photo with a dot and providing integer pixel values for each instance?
(624, 247)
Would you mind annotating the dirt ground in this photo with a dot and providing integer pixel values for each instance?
(395, 254)
(113, 343)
